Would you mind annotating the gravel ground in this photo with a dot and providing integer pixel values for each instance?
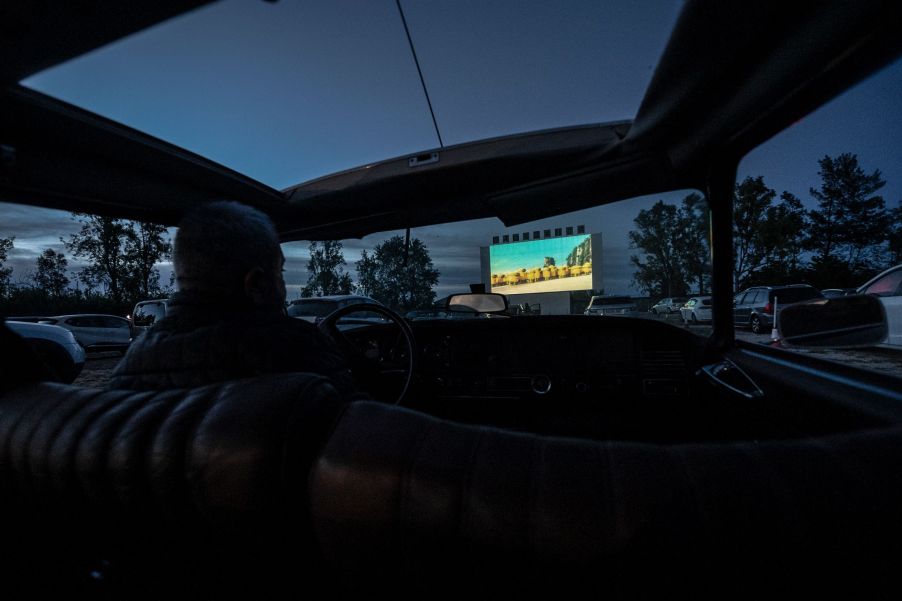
(99, 366)
(98, 369)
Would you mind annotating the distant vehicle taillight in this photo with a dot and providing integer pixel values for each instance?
(769, 309)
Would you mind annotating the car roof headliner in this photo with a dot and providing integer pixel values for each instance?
(733, 74)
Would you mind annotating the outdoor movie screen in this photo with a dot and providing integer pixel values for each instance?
(547, 265)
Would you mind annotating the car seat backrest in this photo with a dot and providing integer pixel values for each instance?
(401, 497)
(219, 470)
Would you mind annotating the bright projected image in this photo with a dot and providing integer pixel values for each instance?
(549, 265)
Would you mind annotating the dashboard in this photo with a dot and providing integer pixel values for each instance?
(569, 375)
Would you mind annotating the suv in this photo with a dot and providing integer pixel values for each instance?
(313, 309)
(669, 305)
(146, 314)
(96, 332)
(755, 306)
(610, 305)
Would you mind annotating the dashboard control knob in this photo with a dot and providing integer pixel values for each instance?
(541, 384)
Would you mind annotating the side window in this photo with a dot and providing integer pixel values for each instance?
(888, 285)
(146, 315)
(817, 207)
(113, 322)
(76, 322)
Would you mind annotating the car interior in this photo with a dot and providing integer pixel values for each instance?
(542, 453)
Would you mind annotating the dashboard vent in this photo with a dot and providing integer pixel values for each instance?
(663, 364)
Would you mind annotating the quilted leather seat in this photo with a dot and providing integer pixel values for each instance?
(120, 493)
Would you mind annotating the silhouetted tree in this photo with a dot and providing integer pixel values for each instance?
(146, 245)
(50, 275)
(103, 241)
(662, 272)
(6, 245)
(121, 256)
(751, 200)
(692, 242)
(326, 269)
(399, 283)
(850, 223)
(895, 235)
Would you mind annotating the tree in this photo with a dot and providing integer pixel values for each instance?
(692, 240)
(659, 232)
(103, 241)
(145, 247)
(326, 269)
(779, 243)
(121, 256)
(850, 223)
(51, 273)
(401, 280)
(6, 245)
(895, 236)
(767, 235)
(751, 200)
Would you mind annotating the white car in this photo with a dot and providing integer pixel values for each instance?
(96, 332)
(57, 347)
(696, 310)
(611, 305)
(888, 287)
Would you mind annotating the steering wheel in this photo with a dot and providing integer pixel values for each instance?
(364, 367)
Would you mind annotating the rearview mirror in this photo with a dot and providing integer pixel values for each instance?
(477, 303)
(842, 321)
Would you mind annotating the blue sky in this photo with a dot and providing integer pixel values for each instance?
(289, 91)
(529, 255)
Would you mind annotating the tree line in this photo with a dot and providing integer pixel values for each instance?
(849, 235)
(120, 269)
(120, 259)
(397, 274)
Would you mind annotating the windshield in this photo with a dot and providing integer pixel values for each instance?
(604, 256)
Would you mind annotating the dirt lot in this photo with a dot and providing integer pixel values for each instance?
(97, 370)
(886, 360)
(99, 366)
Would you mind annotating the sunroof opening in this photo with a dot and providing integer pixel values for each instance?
(286, 92)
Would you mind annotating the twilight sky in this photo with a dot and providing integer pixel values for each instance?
(290, 91)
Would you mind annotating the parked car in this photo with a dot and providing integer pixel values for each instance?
(315, 308)
(888, 287)
(57, 346)
(147, 313)
(669, 305)
(534, 456)
(696, 310)
(611, 305)
(96, 333)
(835, 292)
(755, 306)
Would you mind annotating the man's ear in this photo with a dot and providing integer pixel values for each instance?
(255, 285)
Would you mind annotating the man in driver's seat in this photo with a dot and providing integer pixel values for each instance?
(227, 320)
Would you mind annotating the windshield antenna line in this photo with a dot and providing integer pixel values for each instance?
(420, 72)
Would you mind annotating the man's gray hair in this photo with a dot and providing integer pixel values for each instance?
(219, 242)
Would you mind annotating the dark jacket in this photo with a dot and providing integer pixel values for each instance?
(201, 341)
